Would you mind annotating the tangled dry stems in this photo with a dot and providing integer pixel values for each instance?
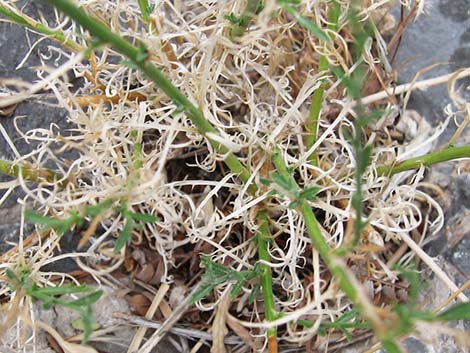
(256, 91)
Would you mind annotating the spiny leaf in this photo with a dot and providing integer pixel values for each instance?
(284, 182)
(145, 218)
(216, 274)
(95, 210)
(130, 64)
(309, 193)
(254, 293)
(203, 292)
(459, 311)
(312, 27)
(60, 225)
(125, 237)
(304, 21)
(142, 54)
(86, 300)
(62, 290)
(236, 20)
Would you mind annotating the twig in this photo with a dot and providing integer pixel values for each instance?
(167, 326)
(185, 332)
(421, 85)
(432, 265)
(140, 334)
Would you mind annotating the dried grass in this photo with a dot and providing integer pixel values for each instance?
(256, 92)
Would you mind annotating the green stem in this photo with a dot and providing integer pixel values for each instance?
(427, 160)
(317, 99)
(145, 9)
(138, 56)
(346, 280)
(251, 9)
(37, 175)
(20, 18)
(263, 239)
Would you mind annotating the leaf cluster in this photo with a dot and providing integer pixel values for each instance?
(216, 275)
(132, 220)
(50, 296)
(75, 219)
(287, 185)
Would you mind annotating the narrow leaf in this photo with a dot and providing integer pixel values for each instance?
(459, 311)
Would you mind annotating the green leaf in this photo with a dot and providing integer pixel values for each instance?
(145, 218)
(142, 54)
(259, 8)
(284, 182)
(63, 290)
(312, 28)
(95, 210)
(236, 20)
(60, 225)
(291, 2)
(11, 275)
(130, 64)
(79, 325)
(125, 237)
(294, 204)
(236, 289)
(89, 323)
(201, 293)
(265, 182)
(145, 9)
(254, 293)
(87, 299)
(309, 194)
(305, 22)
(459, 311)
(218, 274)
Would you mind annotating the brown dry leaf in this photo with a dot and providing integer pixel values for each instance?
(219, 329)
(53, 343)
(139, 304)
(129, 262)
(146, 273)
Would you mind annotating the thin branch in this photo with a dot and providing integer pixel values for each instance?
(420, 85)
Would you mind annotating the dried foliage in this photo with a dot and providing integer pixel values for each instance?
(173, 198)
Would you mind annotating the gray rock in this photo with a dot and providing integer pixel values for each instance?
(441, 36)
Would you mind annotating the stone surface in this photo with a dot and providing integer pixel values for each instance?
(441, 36)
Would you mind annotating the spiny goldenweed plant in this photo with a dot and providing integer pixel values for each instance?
(243, 125)
(75, 219)
(20, 280)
